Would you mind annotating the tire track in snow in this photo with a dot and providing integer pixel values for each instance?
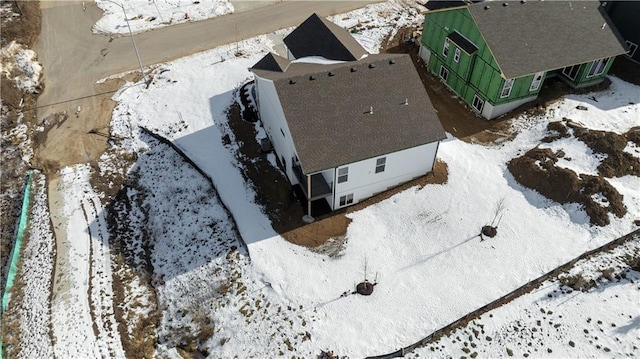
(84, 322)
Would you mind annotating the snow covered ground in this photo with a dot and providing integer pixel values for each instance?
(151, 14)
(422, 244)
(556, 321)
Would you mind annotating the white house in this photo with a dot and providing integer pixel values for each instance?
(347, 130)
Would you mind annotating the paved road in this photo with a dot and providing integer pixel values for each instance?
(74, 58)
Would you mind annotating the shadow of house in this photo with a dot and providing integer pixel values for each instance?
(625, 15)
(344, 124)
(496, 56)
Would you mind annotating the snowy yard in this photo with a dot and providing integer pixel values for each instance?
(183, 281)
(148, 15)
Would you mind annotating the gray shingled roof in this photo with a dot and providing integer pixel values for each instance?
(272, 62)
(533, 36)
(317, 36)
(329, 116)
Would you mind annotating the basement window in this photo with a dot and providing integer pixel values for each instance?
(445, 48)
(506, 89)
(478, 103)
(345, 200)
(343, 174)
(380, 164)
(632, 48)
(571, 72)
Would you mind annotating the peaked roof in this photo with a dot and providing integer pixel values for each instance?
(317, 36)
(327, 109)
(526, 37)
(272, 62)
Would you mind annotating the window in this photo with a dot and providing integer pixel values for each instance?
(345, 200)
(444, 73)
(506, 89)
(571, 71)
(380, 164)
(456, 55)
(343, 174)
(632, 48)
(597, 67)
(537, 80)
(478, 103)
(445, 48)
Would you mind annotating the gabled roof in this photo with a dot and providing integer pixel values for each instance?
(327, 109)
(526, 37)
(317, 36)
(272, 62)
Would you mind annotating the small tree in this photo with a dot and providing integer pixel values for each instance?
(491, 230)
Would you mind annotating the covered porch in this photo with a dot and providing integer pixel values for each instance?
(313, 186)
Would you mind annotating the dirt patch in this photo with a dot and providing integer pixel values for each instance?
(24, 29)
(536, 169)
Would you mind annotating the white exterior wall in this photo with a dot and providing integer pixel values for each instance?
(490, 112)
(424, 54)
(274, 123)
(401, 166)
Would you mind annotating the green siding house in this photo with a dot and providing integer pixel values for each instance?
(495, 55)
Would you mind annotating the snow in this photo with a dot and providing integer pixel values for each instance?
(421, 245)
(20, 65)
(39, 252)
(578, 156)
(82, 304)
(274, 298)
(557, 322)
(148, 15)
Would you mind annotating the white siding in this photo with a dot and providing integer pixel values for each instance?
(424, 54)
(400, 167)
(490, 112)
(275, 124)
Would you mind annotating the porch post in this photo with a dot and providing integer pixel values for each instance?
(308, 218)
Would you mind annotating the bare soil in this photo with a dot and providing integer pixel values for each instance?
(24, 30)
(536, 169)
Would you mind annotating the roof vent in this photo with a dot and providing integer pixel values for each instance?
(371, 66)
(505, 4)
(353, 69)
(391, 62)
(406, 102)
(523, 1)
(292, 82)
(331, 73)
(371, 110)
(487, 7)
(311, 78)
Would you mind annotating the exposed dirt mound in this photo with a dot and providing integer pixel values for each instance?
(618, 163)
(536, 170)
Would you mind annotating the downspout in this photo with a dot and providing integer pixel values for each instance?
(435, 156)
(309, 196)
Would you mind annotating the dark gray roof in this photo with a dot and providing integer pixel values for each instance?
(462, 42)
(317, 36)
(329, 119)
(533, 36)
(272, 62)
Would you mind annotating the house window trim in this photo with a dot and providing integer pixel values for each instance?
(599, 66)
(631, 44)
(344, 177)
(571, 70)
(480, 100)
(508, 82)
(535, 85)
(446, 71)
(456, 55)
(381, 164)
(346, 200)
(445, 48)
